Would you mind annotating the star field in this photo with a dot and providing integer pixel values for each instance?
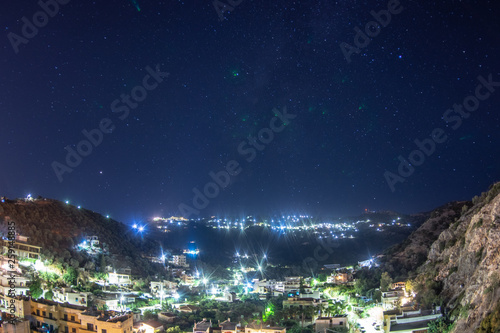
(353, 119)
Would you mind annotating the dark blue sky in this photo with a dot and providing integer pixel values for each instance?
(353, 119)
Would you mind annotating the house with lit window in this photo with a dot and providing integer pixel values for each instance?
(165, 287)
(105, 322)
(92, 241)
(323, 324)
(119, 279)
(54, 316)
(108, 301)
(391, 298)
(179, 260)
(22, 248)
(292, 283)
(68, 295)
(20, 282)
(22, 307)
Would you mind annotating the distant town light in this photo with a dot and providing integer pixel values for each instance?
(67, 202)
(79, 207)
(141, 228)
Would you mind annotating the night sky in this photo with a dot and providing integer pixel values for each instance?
(350, 118)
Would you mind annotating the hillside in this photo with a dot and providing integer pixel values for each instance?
(463, 265)
(402, 259)
(57, 227)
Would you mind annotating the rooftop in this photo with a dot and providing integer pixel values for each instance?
(409, 326)
(153, 323)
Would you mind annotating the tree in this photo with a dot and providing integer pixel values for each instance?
(301, 287)
(440, 325)
(148, 315)
(306, 312)
(49, 295)
(36, 290)
(102, 307)
(385, 281)
(70, 276)
(174, 329)
(409, 286)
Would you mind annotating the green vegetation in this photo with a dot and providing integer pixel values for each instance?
(366, 280)
(49, 295)
(36, 288)
(479, 255)
(385, 281)
(174, 329)
(440, 325)
(495, 283)
(491, 323)
(428, 292)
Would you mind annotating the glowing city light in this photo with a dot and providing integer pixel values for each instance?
(134, 226)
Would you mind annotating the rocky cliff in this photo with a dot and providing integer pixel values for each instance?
(463, 266)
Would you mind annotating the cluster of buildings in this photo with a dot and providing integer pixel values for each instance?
(401, 315)
(49, 316)
(227, 326)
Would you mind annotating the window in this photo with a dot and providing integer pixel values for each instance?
(90, 327)
(76, 299)
(37, 323)
(50, 315)
(66, 329)
(73, 330)
(37, 312)
(341, 323)
(65, 317)
(44, 313)
(72, 318)
(104, 331)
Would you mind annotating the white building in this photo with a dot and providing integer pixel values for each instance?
(19, 282)
(67, 295)
(92, 240)
(324, 324)
(119, 279)
(179, 260)
(167, 287)
(292, 283)
(111, 302)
